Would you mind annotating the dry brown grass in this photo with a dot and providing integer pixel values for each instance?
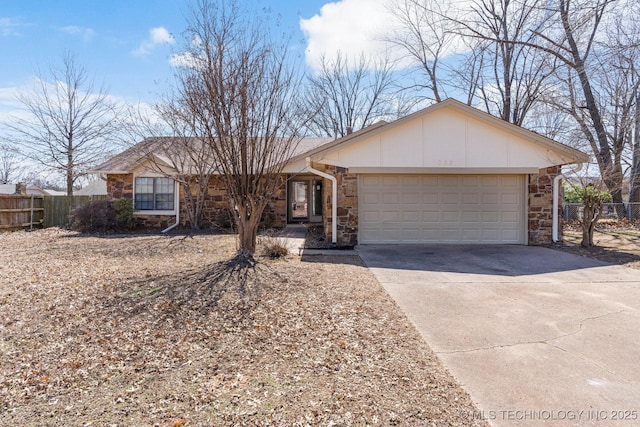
(164, 330)
(615, 242)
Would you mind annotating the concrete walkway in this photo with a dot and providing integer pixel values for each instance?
(294, 235)
(536, 336)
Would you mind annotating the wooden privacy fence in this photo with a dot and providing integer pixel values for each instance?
(20, 211)
(25, 211)
(58, 208)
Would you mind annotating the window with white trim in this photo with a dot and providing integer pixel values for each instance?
(154, 194)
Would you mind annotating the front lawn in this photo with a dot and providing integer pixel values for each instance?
(160, 330)
(617, 242)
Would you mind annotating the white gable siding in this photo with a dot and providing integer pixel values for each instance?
(447, 139)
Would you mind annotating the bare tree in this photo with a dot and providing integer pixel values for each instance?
(171, 149)
(634, 192)
(620, 82)
(8, 164)
(569, 35)
(512, 74)
(71, 121)
(424, 33)
(347, 96)
(243, 96)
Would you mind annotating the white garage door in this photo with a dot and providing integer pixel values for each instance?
(441, 208)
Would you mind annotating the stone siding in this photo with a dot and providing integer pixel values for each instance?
(216, 210)
(347, 224)
(540, 207)
(120, 186)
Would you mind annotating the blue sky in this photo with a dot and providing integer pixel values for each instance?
(127, 44)
(123, 43)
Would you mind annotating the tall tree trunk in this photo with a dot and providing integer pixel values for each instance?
(69, 176)
(248, 223)
(605, 162)
(634, 195)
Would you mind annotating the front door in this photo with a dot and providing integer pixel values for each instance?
(305, 199)
(300, 201)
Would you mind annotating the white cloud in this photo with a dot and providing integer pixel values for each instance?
(86, 34)
(187, 60)
(9, 105)
(352, 27)
(8, 27)
(157, 36)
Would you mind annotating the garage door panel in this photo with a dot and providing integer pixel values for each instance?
(410, 181)
(430, 199)
(490, 199)
(409, 216)
(470, 198)
(450, 198)
(470, 235)
(490, 181)
(370, 198)
(448, 181)
(470, 216)
(470, 181)
(411, 198)
(510, 217)
(442, 208)
(390, 198)
(509, 235)
(390, 181)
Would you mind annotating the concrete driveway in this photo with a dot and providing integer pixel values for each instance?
(536, 336)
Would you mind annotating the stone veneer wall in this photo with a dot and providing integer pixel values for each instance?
(216, 206)
(540, 207)
(120, 186)
(347, 206)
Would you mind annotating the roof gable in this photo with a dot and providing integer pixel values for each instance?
(447, 135)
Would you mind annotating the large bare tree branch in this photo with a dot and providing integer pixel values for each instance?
(243, 95)
(71, 122)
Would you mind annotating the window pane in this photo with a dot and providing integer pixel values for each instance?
(154, 194)
(144, 201)
(144, 185)
(164, 202)
(164, 185)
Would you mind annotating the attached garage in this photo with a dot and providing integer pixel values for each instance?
(446, 174)
(442, 209)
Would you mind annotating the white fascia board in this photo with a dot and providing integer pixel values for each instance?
(445, 171)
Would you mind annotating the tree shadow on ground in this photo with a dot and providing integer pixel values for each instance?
(231, 289)
(613, 256)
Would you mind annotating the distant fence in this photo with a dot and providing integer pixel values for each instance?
(630, 211)
(20, 211)
(25, 211)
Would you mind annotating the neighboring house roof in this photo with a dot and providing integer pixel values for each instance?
(94, 188)
(7, 188)
(47, 192)
(31, 189)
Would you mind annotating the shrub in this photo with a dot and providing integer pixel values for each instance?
(274, 247)
(225, 219)
(576, 193)
(99, 215)
(103, 216)
(124, 211)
